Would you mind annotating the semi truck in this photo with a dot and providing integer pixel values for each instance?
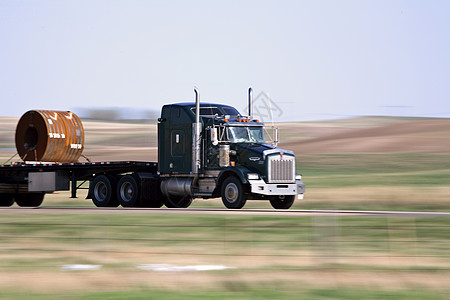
(205, 150)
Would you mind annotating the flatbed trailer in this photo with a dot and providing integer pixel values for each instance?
(27, 183)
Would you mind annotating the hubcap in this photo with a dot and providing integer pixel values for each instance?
(231, 192)
(100, 191)
(126, 191)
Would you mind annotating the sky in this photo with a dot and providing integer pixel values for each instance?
(314, 59)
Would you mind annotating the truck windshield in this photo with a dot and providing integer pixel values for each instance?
(241, 134)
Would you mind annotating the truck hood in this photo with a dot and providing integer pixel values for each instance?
(253, 155)
(260, 150)
(252, 148)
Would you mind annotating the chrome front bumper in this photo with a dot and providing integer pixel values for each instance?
(263, 188)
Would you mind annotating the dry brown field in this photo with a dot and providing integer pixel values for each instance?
(137, 141)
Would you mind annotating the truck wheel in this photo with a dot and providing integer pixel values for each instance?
(104, 191)
(6, 200)
(233, 195)
(177, 202)
(128, 191)
(280, 202)
(29, 199)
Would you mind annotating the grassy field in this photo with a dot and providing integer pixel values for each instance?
(267, 257)
(379, 181)
(372, 163)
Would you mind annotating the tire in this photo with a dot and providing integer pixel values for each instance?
(6, 200)
(128, 191)
(177, 202)
(29, 199)
(233, 194)
(104, 191)
(279, 202)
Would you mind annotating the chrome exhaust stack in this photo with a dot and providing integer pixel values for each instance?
(197, 105)
(250, 103)
(196, 131)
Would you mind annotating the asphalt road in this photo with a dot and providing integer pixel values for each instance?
(255, 212)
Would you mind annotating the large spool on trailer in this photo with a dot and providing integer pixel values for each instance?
(50, 136)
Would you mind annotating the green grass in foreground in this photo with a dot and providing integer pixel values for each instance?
(217, 235)
(244, 293)
(277, 257)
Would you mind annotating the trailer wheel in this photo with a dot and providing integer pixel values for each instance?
(279, 202)
(104, 191)
(6, 200)
(233, 194)
(128, 191)
(29, 199)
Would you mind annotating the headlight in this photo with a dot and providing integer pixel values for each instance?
(298, 176)
(252, 176)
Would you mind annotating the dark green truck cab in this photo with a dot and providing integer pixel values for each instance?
(227, 156)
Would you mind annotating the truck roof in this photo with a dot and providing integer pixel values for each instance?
(206, 109)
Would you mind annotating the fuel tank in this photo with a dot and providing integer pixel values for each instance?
(50, 136)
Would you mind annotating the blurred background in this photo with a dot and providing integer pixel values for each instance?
(358, 89)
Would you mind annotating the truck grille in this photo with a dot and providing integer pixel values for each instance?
(281, 170)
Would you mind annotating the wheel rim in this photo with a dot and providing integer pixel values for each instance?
(126, 191)
(231, 192)
(100, 191)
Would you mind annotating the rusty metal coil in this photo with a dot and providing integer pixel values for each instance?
(50, 136)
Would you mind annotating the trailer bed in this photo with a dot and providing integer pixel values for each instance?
(14, 178)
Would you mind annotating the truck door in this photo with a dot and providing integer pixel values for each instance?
(174, 141)
(177, 149)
